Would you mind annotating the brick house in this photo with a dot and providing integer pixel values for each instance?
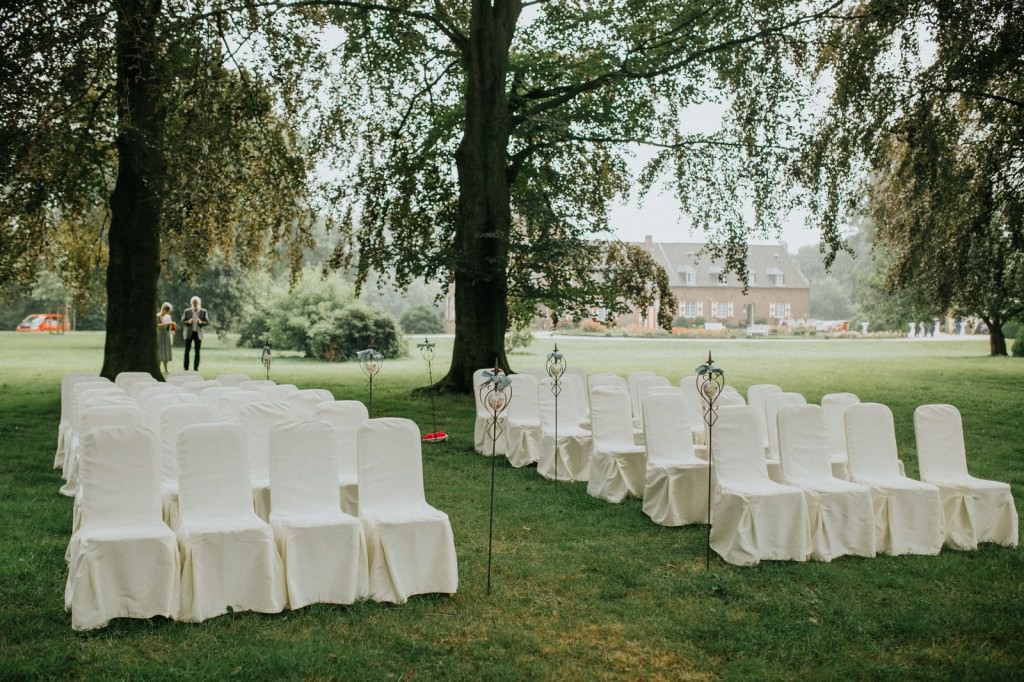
(777, 290)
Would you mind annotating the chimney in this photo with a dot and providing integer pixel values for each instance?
(648, 243)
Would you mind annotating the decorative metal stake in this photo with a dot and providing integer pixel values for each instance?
(556, 369)
(427, 351)
(710, 382)
(265, 357)
(495, 395)
(370, 361)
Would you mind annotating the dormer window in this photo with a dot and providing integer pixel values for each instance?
(716, 275)
(776, 278)
(688, 275)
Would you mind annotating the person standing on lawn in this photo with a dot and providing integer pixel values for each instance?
(164, 329)
(193, 320)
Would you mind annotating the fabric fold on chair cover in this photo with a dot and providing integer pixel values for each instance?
(676, 480)
(833, 407)
(345, 417)
(123, 561)
(322, 547)
(618, 465)
(410, 545)
(908, 513)
(574, 448)
(228, 556)
(523, 430)
(752, 517)
(842, 514)
(974, 509)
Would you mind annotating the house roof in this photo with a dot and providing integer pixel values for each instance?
(763, 260)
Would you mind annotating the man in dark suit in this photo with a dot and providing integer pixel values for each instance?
(193, 320)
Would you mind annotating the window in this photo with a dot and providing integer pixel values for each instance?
(691, 309)
(721, 311)
(776, 278)
(752, 278)
(688, 275)
(778, 311)
(716, 275)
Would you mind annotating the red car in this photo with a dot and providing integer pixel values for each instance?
(55, 323)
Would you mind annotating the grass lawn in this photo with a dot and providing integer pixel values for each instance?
(581, 589)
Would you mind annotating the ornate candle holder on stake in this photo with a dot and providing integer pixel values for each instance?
(555, 368)
(495, 395)
(265, 358)
(427, 352)
(370, 361)
(710, 382)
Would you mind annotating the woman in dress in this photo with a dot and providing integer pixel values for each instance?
(164, 329)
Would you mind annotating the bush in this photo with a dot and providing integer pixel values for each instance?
(1018, 348)
(681, 321)
(518, 338)
(593, 326)
(422, 319)
(340, 334)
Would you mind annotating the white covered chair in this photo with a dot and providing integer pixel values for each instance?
(322, 547)
(694, 414)
(522, 424)
(908, 513)
(305, 401)
(410, 545)
(618, 465)
(256, 420)
(143, 392)
(676, 480)
(756, 395)
(574, 393)
(232, 379)
(251, 384)
(345, 417)
(575, 446)
(841, 513)
(228, 556)
(66, 382)
(644, 385)
(172, 419)
(184, 378)
(482, 424)
(123, 560)
(774, 402)
(154, 406)
(833, 406)
(633, 381)
(975, 510)
(753, 518)
(280, 391)
(230, 404)
(124, 380)
(84, 397)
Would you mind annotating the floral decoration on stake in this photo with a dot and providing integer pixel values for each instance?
(495, 395)
(555, 368)
(427, 352)
(710, 382)
(370, 361)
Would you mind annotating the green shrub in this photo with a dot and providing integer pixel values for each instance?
(1018, 347)
(340, 334)
(422, 319)
(518, 338)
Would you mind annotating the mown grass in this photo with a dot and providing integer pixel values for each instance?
(580, 589)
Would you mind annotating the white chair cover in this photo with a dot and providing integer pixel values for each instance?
(633, 381)
(305, 401)
(644, 384)
(975, 510)
(123, 561)
(841, 513)
(482, 424)
(136, 387)
(173, 418)
(212, 394)
(279, 392)
(676, 481)
(694, 414)
(154, 406)
(228, 555)
(618, 465)
(125, 380)
(256, 420)
(773, 402)
(574, 393)
(231, 403)
(833, 406)
(753, 518)
(345, 417)
(232, 379)
(197, 387)
(756, 395)
(143, 392)
(410, 544)
(85, 396)
(575, 446)
(908, 513)
(322, 547)
(251, 384)
(537, 372)
(66, 382)
(523, 431)
(184, 378)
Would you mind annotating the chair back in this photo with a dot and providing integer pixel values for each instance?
(611, 417)
(304, 468)
(941, 452)
(667, 435)
(174, 418)
(523, 408)
(574, 393)
(772, 404)
(213, 472)
(871, 441)
(546, 406)
(305, 401)
(803, 446)
(232, 379)
(737, 456)
(156, 404)
(117, 475)
(390, 464)
(256, 420)
(126, 379)
(756, 396)
(833, 406)
(345, 417)
(633, 381)
(231, 403)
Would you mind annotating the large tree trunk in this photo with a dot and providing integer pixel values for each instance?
(135, 205)
(484, 220)
(996, 337)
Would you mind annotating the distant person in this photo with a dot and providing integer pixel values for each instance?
(165, 327)
(193, 320)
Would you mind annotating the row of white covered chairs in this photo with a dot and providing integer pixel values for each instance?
(125, 561)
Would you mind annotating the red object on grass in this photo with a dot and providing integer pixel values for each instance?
(435, 437)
